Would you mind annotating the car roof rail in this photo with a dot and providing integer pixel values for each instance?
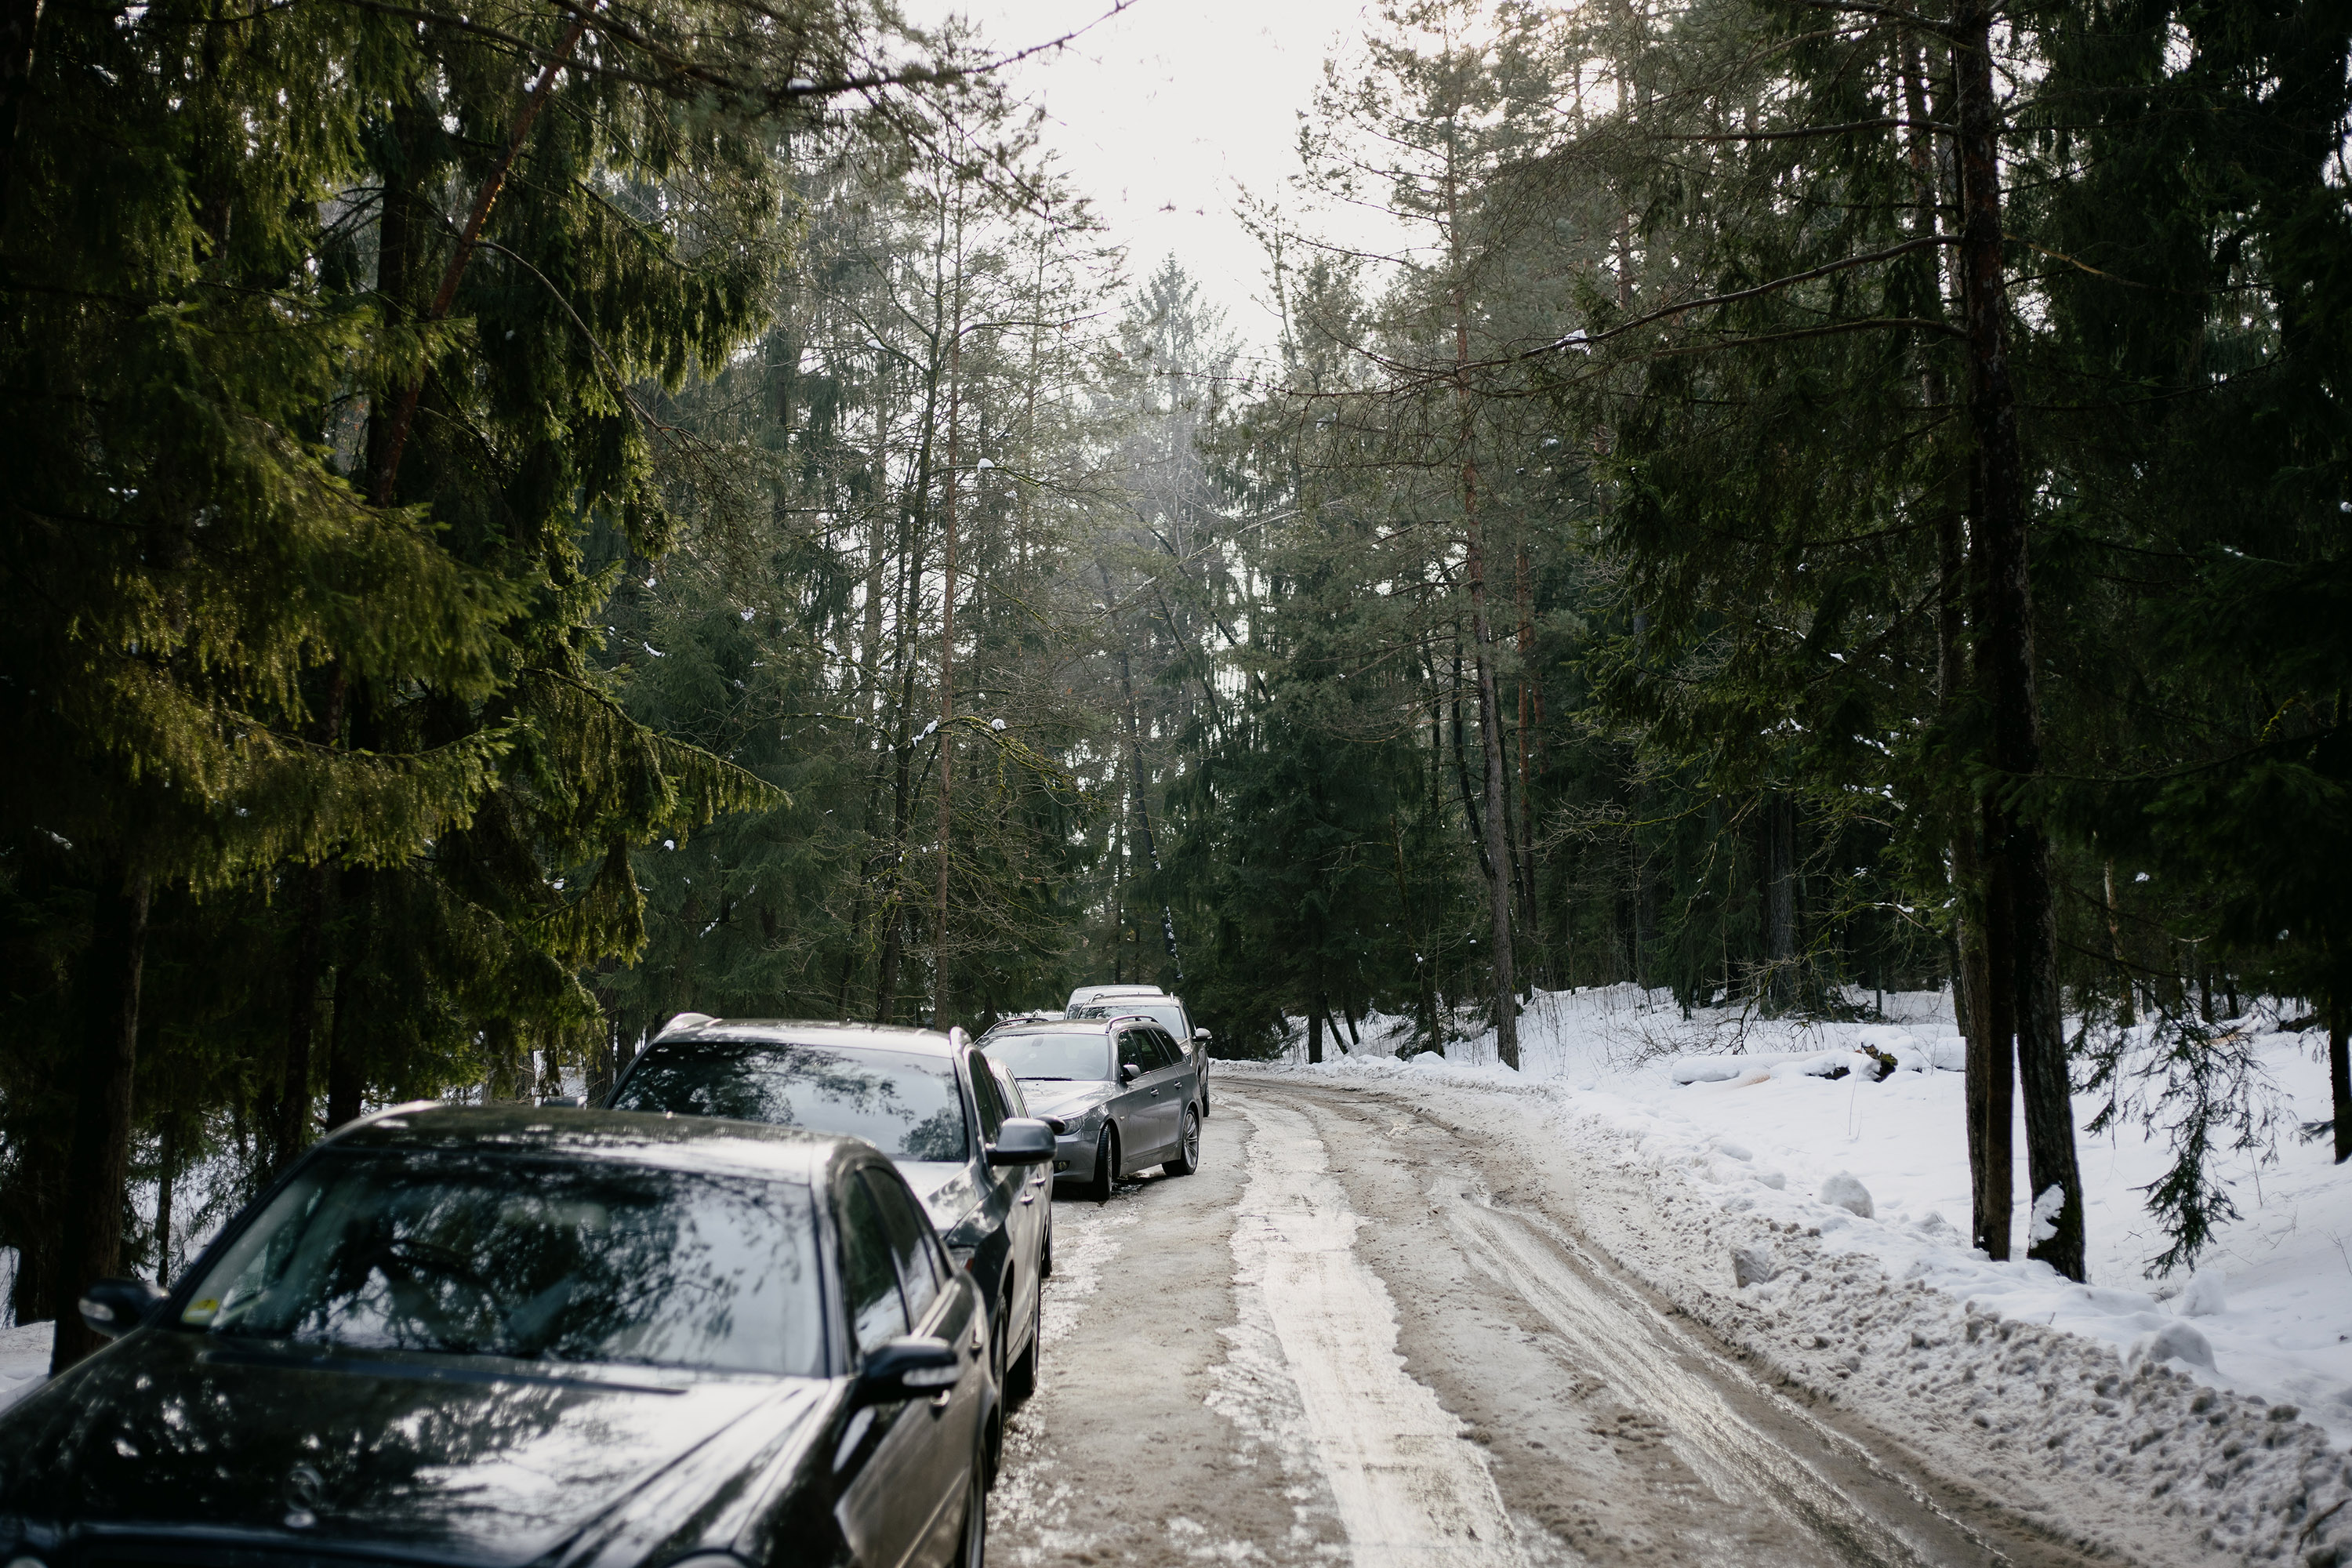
(684, 1021)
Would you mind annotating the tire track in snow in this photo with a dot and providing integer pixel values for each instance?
(1409, 1489)
(1625, 1343)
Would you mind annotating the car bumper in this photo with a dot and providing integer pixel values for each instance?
(1074, 1155)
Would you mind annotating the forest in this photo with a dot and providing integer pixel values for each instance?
(530, 517)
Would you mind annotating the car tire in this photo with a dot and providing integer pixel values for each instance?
(1021, 1378)
(1188, 1147)
(1106, 1166)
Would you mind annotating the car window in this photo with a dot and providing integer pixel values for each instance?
(1169, 1054)
(461, 1252)
(1083, 1056)
(1135, 1045)
(1015, 1102)
(869, 1280)
(910, 1242)
(904, 1102)
(984, 1095)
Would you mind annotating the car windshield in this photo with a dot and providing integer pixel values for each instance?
(1162, 1012)
(1042, 1055)
(905, 1103)
(536, 1259)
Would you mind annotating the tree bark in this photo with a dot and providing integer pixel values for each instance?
(2016, 846)
(91, 1240)
(1314, 1032)
(20, 22)
(941, 1005)
(2340, 1070)
(168, 1170)
(1780, 898)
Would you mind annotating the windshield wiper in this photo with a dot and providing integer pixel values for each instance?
(1048, 1080)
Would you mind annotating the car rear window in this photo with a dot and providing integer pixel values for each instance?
(1084, 1056)
(530, 1259)
(905, 1103)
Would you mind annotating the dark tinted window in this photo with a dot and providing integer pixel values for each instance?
(869, 1278)
(984, 1095)
(1135, 1045)
(536, 1259)
(909, 1242)
(1084, 1056)
(1169, 1054)
(904, 1102)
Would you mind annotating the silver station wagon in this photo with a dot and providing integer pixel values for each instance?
(1120, 1092)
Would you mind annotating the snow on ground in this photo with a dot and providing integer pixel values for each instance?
(23, 1361)
(2268, 1313)
(2089, 1408)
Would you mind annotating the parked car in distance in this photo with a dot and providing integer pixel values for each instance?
(1120, 1094)
(1168, 1011)
(923, 1098)
(499, 1335)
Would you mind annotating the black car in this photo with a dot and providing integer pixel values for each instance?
(925, 1098)
(502, 1336)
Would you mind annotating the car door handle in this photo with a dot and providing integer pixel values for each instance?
(1029, 1198)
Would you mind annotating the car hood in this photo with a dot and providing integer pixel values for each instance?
(436, 1455)
(1052, 1097)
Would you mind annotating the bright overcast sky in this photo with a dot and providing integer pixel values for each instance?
(1163, 113)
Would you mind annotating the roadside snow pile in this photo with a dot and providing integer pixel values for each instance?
(23, 1361)
(2272, 1300)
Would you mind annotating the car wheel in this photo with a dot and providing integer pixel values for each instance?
(1021, 1380)
(1106, 1166)
(1187, 1148)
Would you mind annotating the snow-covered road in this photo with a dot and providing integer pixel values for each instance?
(1369, 1333)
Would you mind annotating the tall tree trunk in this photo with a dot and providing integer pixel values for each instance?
(941, 1007)
(1990, 1086)
(1481, 642)
(1314, 1031)
(314, 908)
(2124, 1014)
(1780, 898)
(20, 23)
(99, 1165)
(2339, 1069)
(2018, 847)
(346, 1067)
(166, 1177)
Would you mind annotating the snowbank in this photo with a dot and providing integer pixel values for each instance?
(23, 1361)
(1739, 1107)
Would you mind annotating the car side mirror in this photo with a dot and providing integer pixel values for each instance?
(1128, 1072)
(912, 1367)
(1203, 1036)
(1021, 1141)
(115, 1307)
